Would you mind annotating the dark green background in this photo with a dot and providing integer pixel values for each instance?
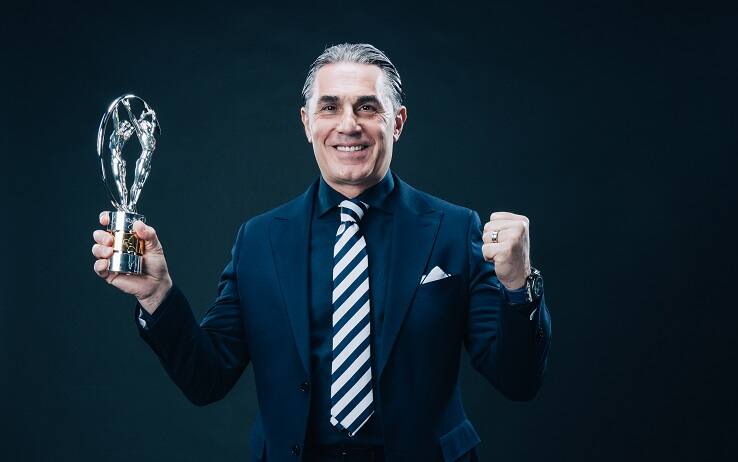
(611, 127)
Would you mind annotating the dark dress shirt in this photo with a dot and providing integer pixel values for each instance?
(376, 225)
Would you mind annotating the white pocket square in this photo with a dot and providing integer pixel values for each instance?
(435, 274)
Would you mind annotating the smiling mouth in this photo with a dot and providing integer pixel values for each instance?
(353, 148)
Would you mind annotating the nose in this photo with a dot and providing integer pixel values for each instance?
(347, 125)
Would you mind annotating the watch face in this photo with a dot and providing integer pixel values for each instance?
(538, 286)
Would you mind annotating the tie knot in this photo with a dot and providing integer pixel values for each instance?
(353, 210)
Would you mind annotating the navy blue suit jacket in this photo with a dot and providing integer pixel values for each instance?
(261, 316)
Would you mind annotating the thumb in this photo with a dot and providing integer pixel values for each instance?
(148, 235)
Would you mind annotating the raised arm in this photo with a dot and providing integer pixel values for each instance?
(506, 345)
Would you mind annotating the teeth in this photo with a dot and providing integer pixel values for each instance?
(350, 148)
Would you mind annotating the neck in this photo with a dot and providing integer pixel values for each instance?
(352, 190)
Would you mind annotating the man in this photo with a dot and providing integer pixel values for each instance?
(353, 300)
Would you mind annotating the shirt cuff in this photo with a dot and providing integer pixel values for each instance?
(144, 318)
(518, 299)
(515, 297)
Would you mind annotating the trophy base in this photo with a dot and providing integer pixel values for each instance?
(127, 247)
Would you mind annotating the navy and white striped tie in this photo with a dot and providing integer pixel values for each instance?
(352, 399)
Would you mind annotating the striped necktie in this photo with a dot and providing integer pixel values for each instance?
(352, 399)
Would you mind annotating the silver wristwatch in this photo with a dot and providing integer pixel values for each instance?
(533, 286)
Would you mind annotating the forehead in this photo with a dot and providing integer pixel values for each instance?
(348, 80)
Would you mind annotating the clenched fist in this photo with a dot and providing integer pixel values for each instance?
(507, 245)
(152, 285)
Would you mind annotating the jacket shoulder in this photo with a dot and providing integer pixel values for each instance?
(450, 210)
(287, 209)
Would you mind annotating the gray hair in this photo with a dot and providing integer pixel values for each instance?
(360, 53)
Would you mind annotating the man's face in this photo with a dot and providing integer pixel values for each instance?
(350, 122)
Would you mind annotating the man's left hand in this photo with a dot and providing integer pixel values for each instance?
(510, 253)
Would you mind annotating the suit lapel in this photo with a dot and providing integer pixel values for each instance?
(415, 229)
(290, 239)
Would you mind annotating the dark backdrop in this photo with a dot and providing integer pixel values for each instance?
(611, 127)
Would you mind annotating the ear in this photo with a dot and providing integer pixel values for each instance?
(305, 117)
(399, 121)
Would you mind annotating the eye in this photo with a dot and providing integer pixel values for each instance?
(368, 107)
(328, 107)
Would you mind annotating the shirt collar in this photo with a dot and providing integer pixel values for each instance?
(376, 196)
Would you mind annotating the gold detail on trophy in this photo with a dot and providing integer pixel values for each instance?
(127, 242)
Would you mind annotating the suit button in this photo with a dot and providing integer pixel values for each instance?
(305, 386)
(539, 333)
(296, 450)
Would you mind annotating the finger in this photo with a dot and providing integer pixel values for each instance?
(102, 251)
(513, 232)
(104, 218)
(101, 268)
(487, 237)
(147, 233)
(507, 216)
(500, 224)
(102, 237)
(494, 252)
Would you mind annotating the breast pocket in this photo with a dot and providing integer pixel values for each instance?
(449, 285)
(436, 304)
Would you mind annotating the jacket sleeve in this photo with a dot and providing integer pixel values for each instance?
(204, 360)
(508, 346)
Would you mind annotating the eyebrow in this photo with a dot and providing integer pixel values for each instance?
(360, 100)
(328, 99)
(368, 99)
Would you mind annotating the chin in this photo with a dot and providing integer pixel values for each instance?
(354, 174)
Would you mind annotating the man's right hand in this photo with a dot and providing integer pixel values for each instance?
(152, 285)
